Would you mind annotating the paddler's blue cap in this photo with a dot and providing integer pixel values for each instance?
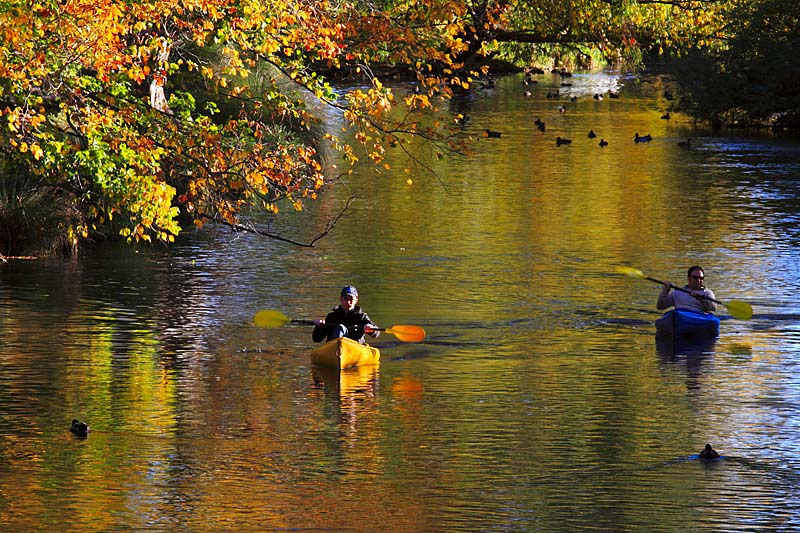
(349, 290)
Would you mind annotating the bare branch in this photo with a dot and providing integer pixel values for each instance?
(310, 244)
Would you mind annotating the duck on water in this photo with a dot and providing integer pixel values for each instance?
(79, 429)
(708, 453)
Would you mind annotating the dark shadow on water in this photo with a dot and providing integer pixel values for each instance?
(694, 352)
(410, 356)
(777, 471)
(689, 458)
(457, 344)
(628, 322)
(672, 346)
(773, 322)
(778, 317)
(426, 348)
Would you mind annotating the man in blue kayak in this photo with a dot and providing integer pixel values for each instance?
(697, 299)
(345, 320)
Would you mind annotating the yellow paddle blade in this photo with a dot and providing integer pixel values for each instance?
(407, 333)
(739, 309)
(632, 272)
(270, 319)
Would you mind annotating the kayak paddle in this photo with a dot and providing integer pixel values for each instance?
(267, 318)
(274, 319)
(737, 308)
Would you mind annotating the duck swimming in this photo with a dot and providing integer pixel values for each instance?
(592, 134)
(709, 453)
(79, 429)
(603, 142)
(560, 141)
(642, 138)
(491, 134)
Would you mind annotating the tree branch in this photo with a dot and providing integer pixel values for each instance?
(310, 244)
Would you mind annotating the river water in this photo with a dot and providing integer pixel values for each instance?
(540, 399)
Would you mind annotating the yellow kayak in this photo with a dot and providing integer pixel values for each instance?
(345, 353)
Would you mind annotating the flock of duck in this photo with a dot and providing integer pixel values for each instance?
(540, 124)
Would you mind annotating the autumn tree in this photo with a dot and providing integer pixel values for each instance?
(129, 112)
(587, 30)
(137, 117)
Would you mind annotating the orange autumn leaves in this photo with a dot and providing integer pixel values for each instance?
(142, 111)
(138, 111)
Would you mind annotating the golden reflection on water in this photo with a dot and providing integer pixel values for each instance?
(539, 400)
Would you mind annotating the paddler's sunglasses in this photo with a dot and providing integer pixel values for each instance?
(698, 277)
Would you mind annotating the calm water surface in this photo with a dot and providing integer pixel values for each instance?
(540, 400)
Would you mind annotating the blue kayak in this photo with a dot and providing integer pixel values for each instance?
(685, 322)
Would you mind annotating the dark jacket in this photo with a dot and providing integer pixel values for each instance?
(354, 320)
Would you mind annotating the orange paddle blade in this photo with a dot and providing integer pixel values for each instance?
(407, 333)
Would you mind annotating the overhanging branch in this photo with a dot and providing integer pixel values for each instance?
(310, 244)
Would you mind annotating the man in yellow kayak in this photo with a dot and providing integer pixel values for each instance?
(345, 320)
(699, 298)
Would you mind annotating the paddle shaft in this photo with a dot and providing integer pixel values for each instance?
(313, 323)
(687, 291)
